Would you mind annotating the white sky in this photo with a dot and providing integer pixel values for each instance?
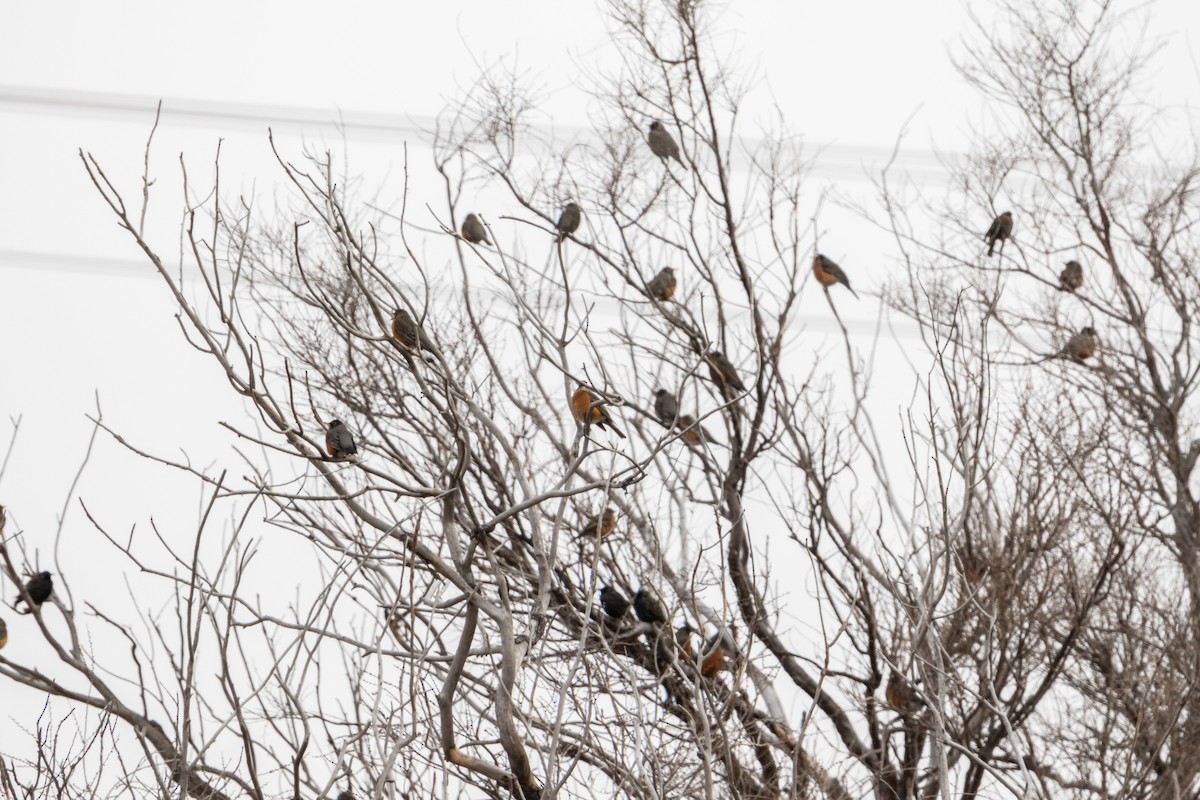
(80, 314)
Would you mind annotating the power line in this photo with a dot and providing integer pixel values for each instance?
(834, 160)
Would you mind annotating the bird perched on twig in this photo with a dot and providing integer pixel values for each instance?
(648, 607)
(588, 409)
(722, 372)
(568, 221)
(714, 658)
(1071, 278)
(600, 525)
(615, 604)
(39, 588)
(694, 433)
(828, 273)
(339, 442)
(662, 285)
(662, 143)
(473, 230)
(900, 695)
(3, 633)
(1082, 345)
(999, 231)
(666, 407)
(409, 334)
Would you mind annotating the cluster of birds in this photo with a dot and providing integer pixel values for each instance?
(38, 588)
(648, 608)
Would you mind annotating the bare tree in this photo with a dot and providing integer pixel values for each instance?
(467, 437)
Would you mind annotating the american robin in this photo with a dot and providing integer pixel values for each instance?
(662, 143)
(900, 695)
(568, 221)
(1000, 230)
(692, 433)
(615, 604)
(39, 587)
(827, 273)
(648, 607)
(3, 633)
(683, 638)
(339, 442)
(666, 407)
(662, 285)
(600, 525)
(586, 406)
(714, 660)
(1071, 278)
(473, 230)
(722, 372)
(409, 334)
(1082, 346)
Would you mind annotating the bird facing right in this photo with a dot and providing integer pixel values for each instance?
(662, 285)
(1082, 346)
(39, 588)
(339, 442)
(648, 607)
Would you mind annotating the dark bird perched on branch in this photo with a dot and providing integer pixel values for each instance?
(662, 143)
(39, 588)
(649, 608)
(615, 604)
(666, 407)
(568, 221)
(1000, 230)
(722, 372)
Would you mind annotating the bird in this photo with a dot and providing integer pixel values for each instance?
(473, 230)
(1082, 346)
(600, 525)
(662, 285)
(1071, 278)
(568, 221)
(1000, 230)
(615, 604)
(900, 695)
(39, 588)
(409, 334)
(694, 433)
(648, 607)
(346, 795)
(662, 143)
(666, 407)
(3, 633)
(683, 638)
(586, 406)
(722, 372)
(714, 658)
(827, 273)
(339, 442)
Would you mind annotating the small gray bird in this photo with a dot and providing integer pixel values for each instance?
(1082, 346)
(722, 372)
(1000, 230)
(473, 230)
(666, 407)
(662, 285)
(410, 335)
(339, 442)
(662, 143)
(568, 221)
(1071, 278)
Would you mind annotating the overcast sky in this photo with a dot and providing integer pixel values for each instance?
(81, 313)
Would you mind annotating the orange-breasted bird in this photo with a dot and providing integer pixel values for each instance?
(900, 695)
(339, 442)
(568, 221)
(473, 230)
(648, 607)
(828, 273)
(662, 285)
(615, 604)
(3, 633)
(586, 408)
(714, 658)
(409, 334)
(683, 638)
(722, 372)
(662, 143)
(39, 587)
(999, 231)
(666, 407)
(600, 525)
(1071, 278)
(1082, 345)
